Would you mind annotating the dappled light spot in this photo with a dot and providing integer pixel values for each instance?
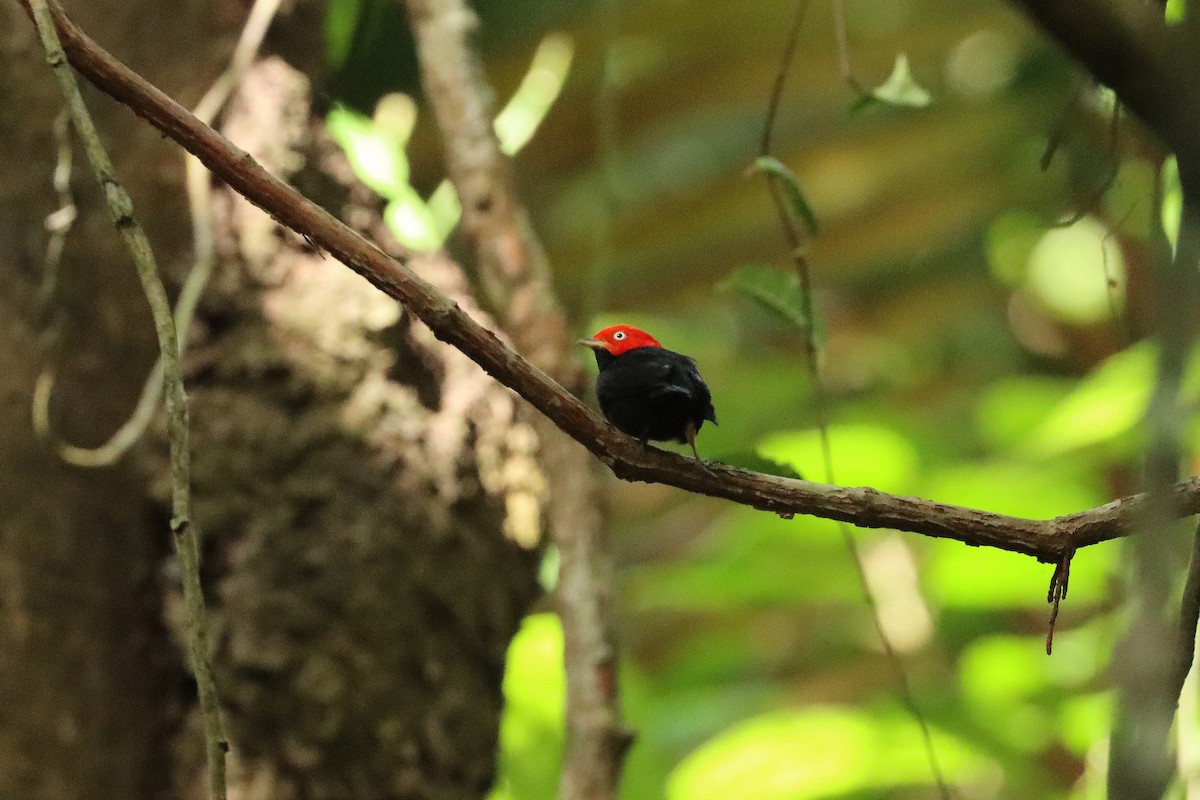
(863, 455)
(891, 571)
(983, 63)
(1078, 273)
(819, 753)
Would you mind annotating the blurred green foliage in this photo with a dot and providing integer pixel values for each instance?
(980, 322)
(531, 735)
(376, 146)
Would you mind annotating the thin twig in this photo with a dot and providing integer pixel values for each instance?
(1151, 67)
(820, 400)
(199, 190)
(1118, 314)
(843, 45)
(58, 224)
(766, 144)
(1189, 605)
(1059, 582)
(184, 533)
(1129, 48)
(1045, 540)
(1059, 133)
(60, 221)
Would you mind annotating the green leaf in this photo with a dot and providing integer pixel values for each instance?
(1009, 240)
(1009, 410)
(341, 18)
(780, 172)
(514, 126)
(409, 220)
(524, 112)
(983, 578)
(900, 89)
(1011, 687)
(378, 160)
(395, 116)
(1020, 488)
(1077, 273)
(774, 290)
(1172, 201)
(1086, 720)
(445, 208)
(747, 560)
(1108, 403)
(998, 670)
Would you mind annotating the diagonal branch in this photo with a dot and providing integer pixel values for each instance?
(1046, 540)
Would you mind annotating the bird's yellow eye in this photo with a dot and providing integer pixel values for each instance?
(619, 335)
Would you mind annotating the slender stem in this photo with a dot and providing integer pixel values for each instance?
(184, 534)
(199, 193)
(820, 400)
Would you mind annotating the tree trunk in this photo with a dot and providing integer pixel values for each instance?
(354, 478)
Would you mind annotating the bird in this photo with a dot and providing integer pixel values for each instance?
(648, 391)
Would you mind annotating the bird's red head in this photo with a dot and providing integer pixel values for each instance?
(618, 339)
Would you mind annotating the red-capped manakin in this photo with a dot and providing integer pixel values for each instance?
(648, 391)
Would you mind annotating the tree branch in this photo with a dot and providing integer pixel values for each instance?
(1046, 540)
(1127, 46)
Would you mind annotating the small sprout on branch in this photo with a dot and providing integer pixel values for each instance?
(900, 89)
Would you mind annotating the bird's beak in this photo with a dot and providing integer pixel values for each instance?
(594, 344)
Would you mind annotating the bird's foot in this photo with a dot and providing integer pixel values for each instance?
(696, 454)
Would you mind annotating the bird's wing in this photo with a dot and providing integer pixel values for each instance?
(697, 387)
(646, 377)
(658, 374)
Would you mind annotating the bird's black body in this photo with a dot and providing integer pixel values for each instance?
(653, 393)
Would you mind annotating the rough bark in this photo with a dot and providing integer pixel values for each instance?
(354, 478)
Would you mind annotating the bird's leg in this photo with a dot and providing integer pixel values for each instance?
(689, 433)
